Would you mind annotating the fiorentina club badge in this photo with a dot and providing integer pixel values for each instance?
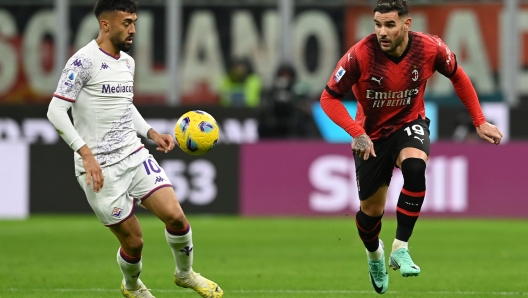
(127, 64)
(117, 212)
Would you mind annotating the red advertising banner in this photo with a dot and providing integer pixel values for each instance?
(318, 179)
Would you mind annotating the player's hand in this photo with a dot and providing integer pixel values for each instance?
(490, 133)
(363, 147)
(93, 169)
(165, 142)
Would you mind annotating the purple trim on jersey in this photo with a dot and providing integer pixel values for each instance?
(117, 58)
(153, 190)
(127, 217)
(137, 150)
(63, 98)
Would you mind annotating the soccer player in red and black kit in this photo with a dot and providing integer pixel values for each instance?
(388, 71)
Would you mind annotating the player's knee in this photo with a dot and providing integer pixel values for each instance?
(373, 210)
(413, 170)
(413, 167)
(133, 246)
(176, 221)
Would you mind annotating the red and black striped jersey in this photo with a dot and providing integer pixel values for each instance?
(390, 90)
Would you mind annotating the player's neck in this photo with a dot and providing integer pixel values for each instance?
(401, 48)
(107, 46)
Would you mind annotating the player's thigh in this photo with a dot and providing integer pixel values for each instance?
(373, 173)
(112, 205)
(165, 206)
(412, 141)
(152, 188)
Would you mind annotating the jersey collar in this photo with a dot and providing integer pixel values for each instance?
(108, 54)
(397, 60)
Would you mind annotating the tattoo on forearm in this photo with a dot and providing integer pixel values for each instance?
(362, 143)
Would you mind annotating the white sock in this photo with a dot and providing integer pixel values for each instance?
(397, 244)
(131, 272)
(182, 250)
(376, 255)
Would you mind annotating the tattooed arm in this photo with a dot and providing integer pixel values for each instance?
(363, 147)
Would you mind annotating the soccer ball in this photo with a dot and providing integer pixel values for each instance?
(196, 132)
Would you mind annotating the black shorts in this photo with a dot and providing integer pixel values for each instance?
(377, 171)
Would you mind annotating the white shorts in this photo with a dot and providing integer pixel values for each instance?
(126, 184)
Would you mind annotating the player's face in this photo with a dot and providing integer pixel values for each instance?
(390, 30)
(123, 29)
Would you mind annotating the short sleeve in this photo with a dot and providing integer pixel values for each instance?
(445, 61)
(75, 75)
(346, 73)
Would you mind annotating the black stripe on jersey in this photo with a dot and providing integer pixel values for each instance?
(333, 93)
(455, 69)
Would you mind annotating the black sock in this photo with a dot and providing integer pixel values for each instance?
(369, 229)
(411, 197)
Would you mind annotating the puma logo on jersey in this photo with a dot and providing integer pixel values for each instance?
(421, 140)
(377, 80)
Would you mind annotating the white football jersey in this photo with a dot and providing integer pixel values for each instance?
(100, 86)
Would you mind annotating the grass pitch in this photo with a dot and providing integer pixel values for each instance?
(75, 256)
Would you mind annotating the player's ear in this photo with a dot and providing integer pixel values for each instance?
(104, 21)
(407, 24)
(104, 25)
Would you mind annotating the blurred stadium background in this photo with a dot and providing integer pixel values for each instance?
(280, 160)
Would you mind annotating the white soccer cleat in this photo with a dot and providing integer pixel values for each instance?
(141, 292)
(203, 286)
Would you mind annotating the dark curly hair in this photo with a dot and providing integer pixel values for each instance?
(102, 6)
(385, 6)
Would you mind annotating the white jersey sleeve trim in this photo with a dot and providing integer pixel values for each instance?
(58, 116)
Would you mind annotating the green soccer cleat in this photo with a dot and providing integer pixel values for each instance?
(400, 259)
(141, 292)
(378, 274)
(203, 286)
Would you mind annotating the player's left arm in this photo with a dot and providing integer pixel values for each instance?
(165, 142)
(447, 65)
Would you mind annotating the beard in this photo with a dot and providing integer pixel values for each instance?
(121, 44)
(393, 44)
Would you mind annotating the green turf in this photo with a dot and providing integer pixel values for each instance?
(74, 256)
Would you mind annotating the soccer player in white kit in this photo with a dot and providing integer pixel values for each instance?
(112, 166)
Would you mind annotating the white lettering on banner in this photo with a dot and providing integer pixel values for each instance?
(202, 53)
(237, 132)
(232, 131)
(42, 23)
(469, 41)
(246, 42)
(203, 59)
(8, 59)
(194, 182)
(14, 180)
(498, 113)
(522, 27)
(31, 130)
(88, 30)
(148, 80)
(331, 175)
(334, 181)
(319, 25)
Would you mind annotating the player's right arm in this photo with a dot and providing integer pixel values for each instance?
(75, 75)
(346, 73)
